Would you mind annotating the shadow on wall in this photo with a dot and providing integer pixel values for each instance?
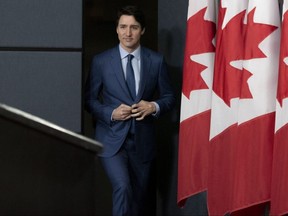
(171, 44)
(167, 139)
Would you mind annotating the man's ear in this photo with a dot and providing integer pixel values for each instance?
(143, 31)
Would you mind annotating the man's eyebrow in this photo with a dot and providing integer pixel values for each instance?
(134, 25)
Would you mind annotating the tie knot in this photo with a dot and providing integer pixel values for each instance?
(130, 57)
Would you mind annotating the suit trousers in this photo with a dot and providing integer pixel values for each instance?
(133, 182)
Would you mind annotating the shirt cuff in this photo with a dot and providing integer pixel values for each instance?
(157, 109)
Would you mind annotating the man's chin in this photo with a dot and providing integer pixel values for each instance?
(130, 46)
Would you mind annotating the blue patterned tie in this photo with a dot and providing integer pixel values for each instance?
(130, 78)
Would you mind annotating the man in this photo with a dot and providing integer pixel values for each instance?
(125, 115)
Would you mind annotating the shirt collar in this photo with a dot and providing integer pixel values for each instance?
(135, 53)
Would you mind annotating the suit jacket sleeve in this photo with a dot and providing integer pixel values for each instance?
(93, 91)
(166, 99)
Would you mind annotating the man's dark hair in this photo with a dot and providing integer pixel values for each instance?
(131, 10)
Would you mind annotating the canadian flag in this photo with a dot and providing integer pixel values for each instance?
(256, 115)
(225, 97)
(196, 100)
(239, 151)
(279, 188)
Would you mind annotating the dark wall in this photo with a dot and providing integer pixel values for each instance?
(99, 35)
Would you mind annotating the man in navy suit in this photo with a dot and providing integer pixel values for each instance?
(125, 115)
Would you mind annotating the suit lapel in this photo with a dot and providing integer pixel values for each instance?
(144, 72)
(118, 71)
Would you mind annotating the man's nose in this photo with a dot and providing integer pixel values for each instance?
(128, 31)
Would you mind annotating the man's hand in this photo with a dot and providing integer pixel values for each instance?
(122, 113)
(142, 109)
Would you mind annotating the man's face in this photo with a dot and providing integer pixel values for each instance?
(129, 32)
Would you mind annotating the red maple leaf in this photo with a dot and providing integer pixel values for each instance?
(245, 91)
(199, 36)
(255, 34)
(229, 47)
(282, 91)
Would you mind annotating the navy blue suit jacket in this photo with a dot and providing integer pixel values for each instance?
(106, 89)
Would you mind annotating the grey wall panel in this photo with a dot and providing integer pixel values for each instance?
(41, 23)
(45, 84)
